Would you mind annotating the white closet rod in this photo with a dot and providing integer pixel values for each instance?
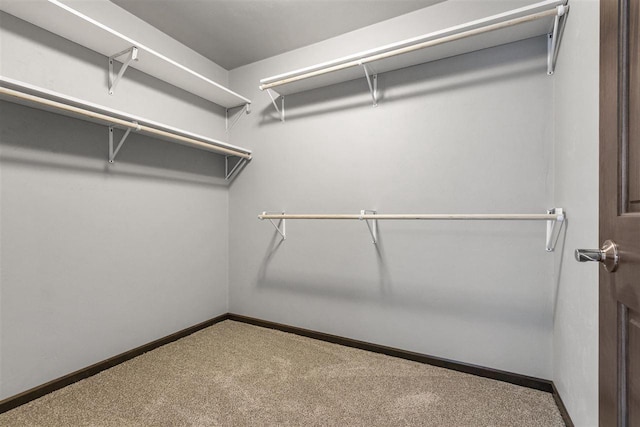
(554, 217)
(525, 217)
(418, 46)
(122, 123)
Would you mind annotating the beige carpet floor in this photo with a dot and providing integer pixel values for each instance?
(233, 374)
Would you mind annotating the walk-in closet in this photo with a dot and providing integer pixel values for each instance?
(313, 212)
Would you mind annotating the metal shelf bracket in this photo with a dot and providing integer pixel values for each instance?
(275, 104)
(553, 38)
(113, 79)
(372, 224)
(237, 167)
(113, 152)
(554, 227)
(246, 108)
(282, 231)
(373, 86)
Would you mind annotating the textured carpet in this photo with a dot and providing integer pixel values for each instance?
(233, 374)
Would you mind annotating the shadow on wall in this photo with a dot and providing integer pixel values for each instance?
(276, 241)
(472, 303)
(36, 138)
(450, 74)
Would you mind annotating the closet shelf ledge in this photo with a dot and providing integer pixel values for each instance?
(542, 18)
(32, 96)
(64, 20)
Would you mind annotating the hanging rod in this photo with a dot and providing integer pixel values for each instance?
(554, 218)
(61, 107)
(522, 217)
(401, 48)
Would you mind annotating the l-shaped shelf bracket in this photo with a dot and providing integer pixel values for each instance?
(282, 231)
(113, 81)
(373, 225)
(246, 108)
(553, 228)
(113, 152)
(273, 101)
(237, 167)
(373, 88)
(553, 38)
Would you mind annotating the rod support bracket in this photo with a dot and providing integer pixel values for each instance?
(281, 227)
(553, 228)
(372, 81)
(230, 171)
(115, 79)
(372, 224)
(114, 151)
(246, 108)
(275, 104)
(553, 38)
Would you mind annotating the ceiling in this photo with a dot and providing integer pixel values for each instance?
(233, 33)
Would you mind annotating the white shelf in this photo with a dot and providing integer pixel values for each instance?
(519, 24)
(44, 99)
(61, 19)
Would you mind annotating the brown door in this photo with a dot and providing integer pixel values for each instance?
(619, 364)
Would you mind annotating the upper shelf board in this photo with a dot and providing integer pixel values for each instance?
(57, 97)
(63, 20)
(536, 20)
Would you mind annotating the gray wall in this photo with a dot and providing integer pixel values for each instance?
(466, 134)
(98, 259)
(575, 349)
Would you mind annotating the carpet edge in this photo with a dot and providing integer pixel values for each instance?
(505, 376)
(27, 396)
(563, 409)
(510, 377)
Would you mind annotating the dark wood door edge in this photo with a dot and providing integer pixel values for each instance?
(53, 385)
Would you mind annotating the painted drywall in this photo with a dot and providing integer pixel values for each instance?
(469, 134)
(97, 259)
(575, 343)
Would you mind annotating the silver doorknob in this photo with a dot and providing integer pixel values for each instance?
(608, 255)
